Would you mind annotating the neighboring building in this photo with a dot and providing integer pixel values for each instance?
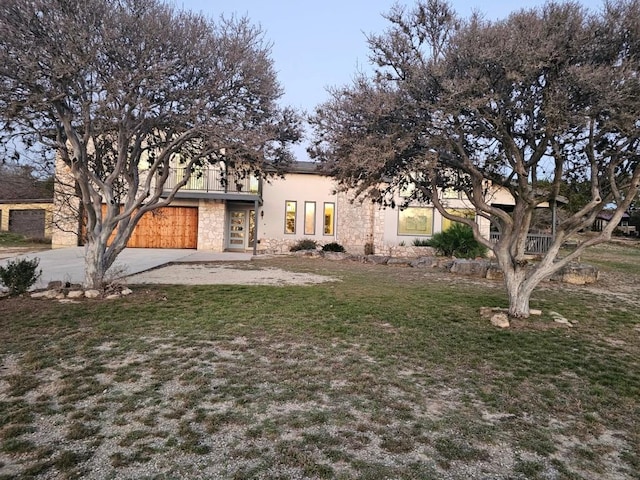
(31, 218)
(603, 219)
(218, 211)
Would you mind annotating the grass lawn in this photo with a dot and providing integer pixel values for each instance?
(387, 373)
(9, 240)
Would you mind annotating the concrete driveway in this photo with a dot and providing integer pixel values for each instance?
(67, 264)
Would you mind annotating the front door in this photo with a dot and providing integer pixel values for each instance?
(241, 229)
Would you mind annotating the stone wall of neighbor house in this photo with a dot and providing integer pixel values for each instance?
(211, 225)
(66, 207)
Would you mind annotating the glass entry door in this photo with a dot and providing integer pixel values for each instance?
(241, 229)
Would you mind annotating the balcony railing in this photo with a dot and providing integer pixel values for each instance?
(213, 180)
(536, 243)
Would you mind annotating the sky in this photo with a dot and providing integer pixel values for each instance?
(322, 44)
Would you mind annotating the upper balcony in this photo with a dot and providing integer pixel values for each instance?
(215, 183)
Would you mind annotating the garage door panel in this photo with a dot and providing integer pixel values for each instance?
(27, 222)
(167, 227)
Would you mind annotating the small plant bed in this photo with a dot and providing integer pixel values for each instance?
(391, 373)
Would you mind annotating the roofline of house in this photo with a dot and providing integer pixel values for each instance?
(5, 201)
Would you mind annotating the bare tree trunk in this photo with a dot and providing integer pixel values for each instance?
(94, 265)
(519, 294)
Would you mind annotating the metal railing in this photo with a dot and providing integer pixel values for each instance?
(536, 242)
(213, 180)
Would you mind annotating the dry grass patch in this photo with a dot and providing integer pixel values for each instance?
(390, 373)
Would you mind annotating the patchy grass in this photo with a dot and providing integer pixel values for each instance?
(11, 240)
(390, 373)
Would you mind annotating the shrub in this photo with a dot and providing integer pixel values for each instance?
(420, 242)
(332, 247)
(457, 241)
(304, 244)
(19, 275)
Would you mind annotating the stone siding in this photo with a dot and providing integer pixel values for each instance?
(211, 225)
(66, 208)
(355, 223)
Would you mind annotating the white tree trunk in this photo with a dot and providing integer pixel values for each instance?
(94, 265)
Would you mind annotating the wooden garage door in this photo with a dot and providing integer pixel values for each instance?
(168, 227)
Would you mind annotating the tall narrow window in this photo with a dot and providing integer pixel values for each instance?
(329, 218)
(309, 218)
(290, 217)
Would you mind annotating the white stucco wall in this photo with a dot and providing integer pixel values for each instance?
(301, 188)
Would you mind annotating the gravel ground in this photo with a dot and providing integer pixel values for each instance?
(225, 274)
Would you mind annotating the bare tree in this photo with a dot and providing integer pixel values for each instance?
(122, 89)
(544, 97)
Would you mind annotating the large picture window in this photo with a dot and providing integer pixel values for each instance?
(460, 212)
(415, 221)
(309, 218)
(329, 218)
(290, 217)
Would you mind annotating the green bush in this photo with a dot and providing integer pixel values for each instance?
(332, 247)
(457, 241)
(304, 244)
(19, 275)
(420, 242)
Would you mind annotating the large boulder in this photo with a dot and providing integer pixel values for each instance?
(470, 268)
(424, 262)
(377, 259)
(576, 274)
(336, 255)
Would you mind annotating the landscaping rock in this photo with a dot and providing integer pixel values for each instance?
(336, 255)
(424, 262)
(494, 273)
(75, 294)
(306, 253)
(67, 300)
(500, 320)
(470, 268)
(126, 291)
(535, 311)
(54, 294)
(54, 285)
(560, 319)
(113, 296)
(92, 293)
(377, 259)
(577, 274)
(42, 294)
(402, 262)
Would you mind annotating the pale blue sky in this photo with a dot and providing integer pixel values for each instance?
(321, 44)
